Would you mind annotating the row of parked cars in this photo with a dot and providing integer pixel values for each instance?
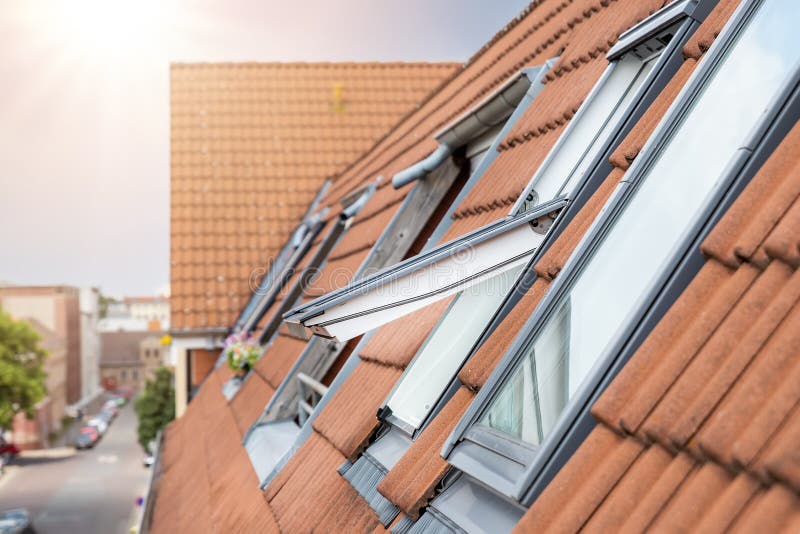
(96, 426)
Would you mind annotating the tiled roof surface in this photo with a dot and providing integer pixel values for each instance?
(348, 420)
(207, 483)
(251, 143)
(631, 467)
(700, 429)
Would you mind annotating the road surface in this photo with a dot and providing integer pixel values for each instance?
(81, 492)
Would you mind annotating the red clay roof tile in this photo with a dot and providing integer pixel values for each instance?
(313, 474)
(412, 481)
(250, 400)
(350, 416)
(714, 388)
(476, 371)
(278, 359)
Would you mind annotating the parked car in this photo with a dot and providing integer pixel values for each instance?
(99, 424)
(8, 451)
(149, 460)
(87, 437)
(106, 415)
(16, 521)
(112, 406)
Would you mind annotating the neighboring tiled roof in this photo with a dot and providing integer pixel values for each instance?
(701, 428)
(251, 143)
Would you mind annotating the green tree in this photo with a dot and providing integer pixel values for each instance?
(21, 375)
(155, 407)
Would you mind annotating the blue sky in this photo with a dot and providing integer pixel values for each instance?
(84, 135)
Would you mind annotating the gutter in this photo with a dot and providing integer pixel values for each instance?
(492, 111)
(147, 507)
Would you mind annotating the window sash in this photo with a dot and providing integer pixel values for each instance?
(441, 355)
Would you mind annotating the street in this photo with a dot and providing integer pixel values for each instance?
(91, 491)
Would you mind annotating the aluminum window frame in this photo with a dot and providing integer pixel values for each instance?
(415, 264)
(464, 452)
(680, 14)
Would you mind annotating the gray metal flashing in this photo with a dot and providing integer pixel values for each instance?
(432, 522)
(682, 251)
(364, 475)
(317, 307)
(490, 112)
(267, 443)
(466, 505)
(306, 430)
(403, 526)
(389, 447)
(231, 387)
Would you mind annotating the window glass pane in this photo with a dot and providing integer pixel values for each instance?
(587, 135)
(445, 349)
(636, 248)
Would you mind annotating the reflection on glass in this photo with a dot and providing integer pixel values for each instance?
(445, 349)
(675, 189)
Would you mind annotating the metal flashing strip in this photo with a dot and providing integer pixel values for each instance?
(267, 443)
(231, 387)
(489, 113)
(575, 420)
(364, 475)
(432, 522)
(464, 246)
(403, 526)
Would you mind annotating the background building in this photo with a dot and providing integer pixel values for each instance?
(54, 312)
(51, 410)
(57, 308)
(90, 344)
(129, 357)
(153, 310)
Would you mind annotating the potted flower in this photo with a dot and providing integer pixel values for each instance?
(241, 352)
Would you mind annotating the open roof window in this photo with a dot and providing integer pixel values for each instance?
(603, 112)
(442, 354)
(426, 278)
(651, 221)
